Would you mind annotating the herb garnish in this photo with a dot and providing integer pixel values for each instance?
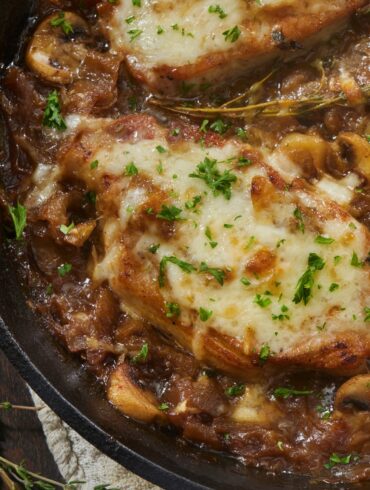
(220, 183)
(142, 355)
(235, 390)
(306, 281)
(172, 310)
(18, 214)
(218, 274)
(169, 213)
(204, 314)
(185, 266)
(52, 115)
(289, 392)
(337, 459)
(61, 22)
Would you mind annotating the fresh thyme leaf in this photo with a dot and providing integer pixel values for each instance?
(18, 214)
(283, 392)
(6, 406)
(305, 283)
(185, 266)
(142, 355)
(218, 274)
(52, 115)
(220, 183)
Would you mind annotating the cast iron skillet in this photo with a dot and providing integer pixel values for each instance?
(71, 391)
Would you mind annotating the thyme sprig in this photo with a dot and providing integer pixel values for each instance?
(12, 474)
(271, 108)
(10, 406)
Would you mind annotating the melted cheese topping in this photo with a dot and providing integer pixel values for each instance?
(197, 36)
(260, 311)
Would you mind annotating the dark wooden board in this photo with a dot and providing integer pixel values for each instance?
(21, 435)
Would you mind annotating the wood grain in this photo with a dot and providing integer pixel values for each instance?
(21, 435)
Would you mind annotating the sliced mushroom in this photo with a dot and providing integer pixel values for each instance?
(57, 49)
(356, 151)
(130, 399)
(354, 395)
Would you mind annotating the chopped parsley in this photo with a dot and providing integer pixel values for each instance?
(367, 314)
(232, 35)
(333, 287)
(64, 269)
(355, 261)
(61, 22)
(131, 169)
(172, 310)
(52, 114)
(160, 149)
(219, 126)
(337, 459)
(94, 164)
(208, 234)
(66, 229)
(265, 353)
(235, 390)
(245, 281)
(192, 204)
(299, 217)
(169, 213)
(216, 9)
(220, 183)
(262, 300)
(204, 314)
(153, 249)
(18, 214)
(134, 33)
(218, 274)
(283, 315)
(185, 266)
(322, 240)
(305, 283)
(142, 355)
(163, 407)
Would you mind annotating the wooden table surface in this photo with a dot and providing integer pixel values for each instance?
(21, 435)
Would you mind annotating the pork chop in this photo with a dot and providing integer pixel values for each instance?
(195, 43)
(205, 240)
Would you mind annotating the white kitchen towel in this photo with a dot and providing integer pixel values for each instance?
(79, 460)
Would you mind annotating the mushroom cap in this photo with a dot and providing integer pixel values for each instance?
(354, 395)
